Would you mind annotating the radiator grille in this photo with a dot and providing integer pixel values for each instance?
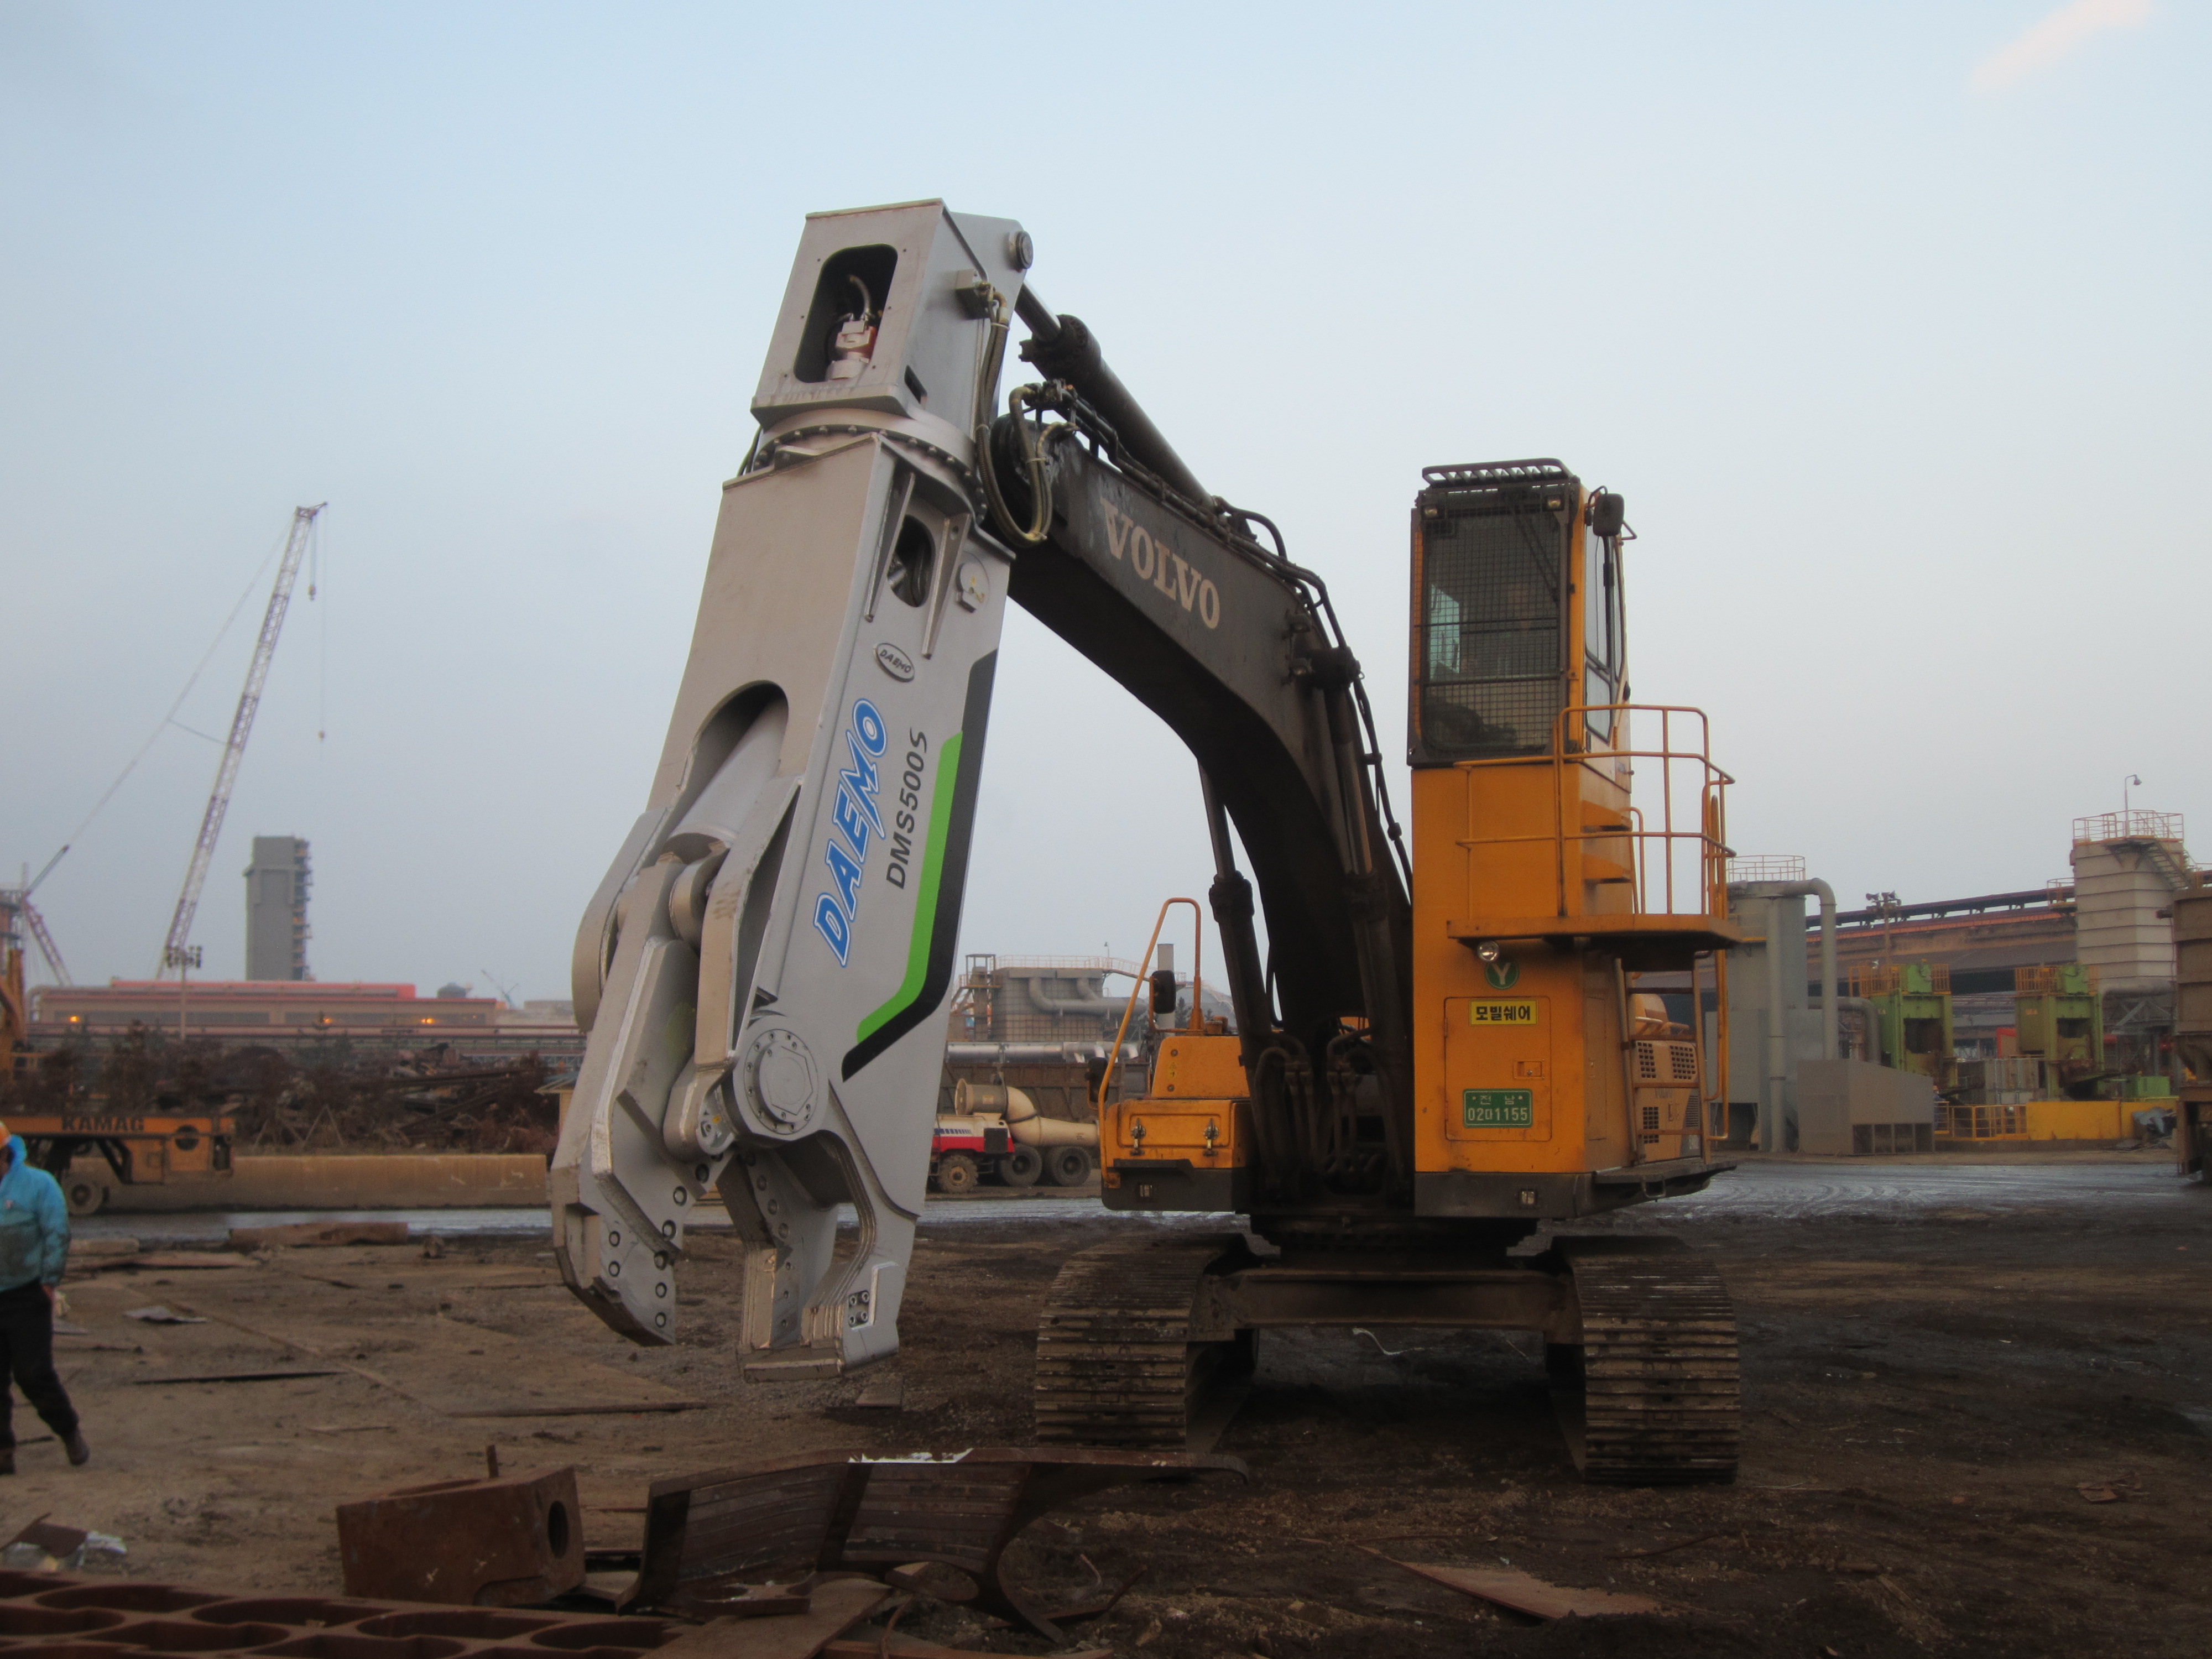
(1671, 1065)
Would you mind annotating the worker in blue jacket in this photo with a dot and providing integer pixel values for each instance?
(35, 1240)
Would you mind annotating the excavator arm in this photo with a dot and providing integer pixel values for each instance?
(1237, 650)
(764, 971)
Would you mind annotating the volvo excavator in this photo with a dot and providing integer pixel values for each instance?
(1439, 1059)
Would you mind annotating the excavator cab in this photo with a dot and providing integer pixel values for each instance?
(1541, 886)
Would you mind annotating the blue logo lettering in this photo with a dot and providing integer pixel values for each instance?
(829, 922)
(854, 814)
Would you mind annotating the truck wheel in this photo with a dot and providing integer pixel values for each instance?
(85, 1195)
(956, 1173)
(1021, 1167)
(1068, 1166)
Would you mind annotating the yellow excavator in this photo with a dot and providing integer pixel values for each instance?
(1442, 1050)
(1543, 1087)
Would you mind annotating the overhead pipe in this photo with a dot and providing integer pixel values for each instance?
(1094, 1007)
(1016, 1053)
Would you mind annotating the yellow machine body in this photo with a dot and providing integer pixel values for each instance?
(1543, 883)
(1196, 1107)
(1540, 886)
(1503, 1066)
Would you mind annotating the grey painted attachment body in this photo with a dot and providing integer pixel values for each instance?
(765, 972)
(765, 998)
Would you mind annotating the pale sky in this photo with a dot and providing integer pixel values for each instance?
(1888, 320)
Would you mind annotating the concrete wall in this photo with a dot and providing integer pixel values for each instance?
(1763, 916)
(400, 1181)
(1836, 1096)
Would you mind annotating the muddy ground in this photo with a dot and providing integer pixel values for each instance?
(1937, 1363)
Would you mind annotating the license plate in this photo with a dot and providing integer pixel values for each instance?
(1498, 1109)
(1497, 1011)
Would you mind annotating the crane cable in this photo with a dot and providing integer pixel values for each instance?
(169, 719)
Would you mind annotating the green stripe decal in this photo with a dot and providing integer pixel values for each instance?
(925, 897)
(941, 882)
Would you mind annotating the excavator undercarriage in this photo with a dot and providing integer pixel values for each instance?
(1141, 1343)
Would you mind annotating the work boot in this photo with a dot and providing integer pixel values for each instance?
(73, 1444)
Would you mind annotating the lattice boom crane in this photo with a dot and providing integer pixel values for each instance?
(241, 727)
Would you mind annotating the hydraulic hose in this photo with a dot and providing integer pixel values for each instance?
(1067, 350)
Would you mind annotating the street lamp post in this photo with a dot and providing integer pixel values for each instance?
(184, 959)
(1887, 905)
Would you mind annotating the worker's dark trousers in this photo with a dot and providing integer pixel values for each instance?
(27, 1353)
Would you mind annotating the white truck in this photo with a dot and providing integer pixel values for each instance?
(995, 1131)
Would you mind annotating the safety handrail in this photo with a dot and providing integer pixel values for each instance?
(1129, 1009)
(1710, 835)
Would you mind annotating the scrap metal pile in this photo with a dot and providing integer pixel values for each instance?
(777, 1560)
(424, 1100)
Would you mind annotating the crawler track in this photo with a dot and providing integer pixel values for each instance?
(1659, 1401)
(1115, 1362)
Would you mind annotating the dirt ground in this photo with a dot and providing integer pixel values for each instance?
(1933, 1374)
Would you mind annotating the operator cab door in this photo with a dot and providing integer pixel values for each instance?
(1599, 599)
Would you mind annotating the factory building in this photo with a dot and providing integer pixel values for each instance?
(291, 1014)
(2127, 868)
(1999, 1001)
(2109, 919)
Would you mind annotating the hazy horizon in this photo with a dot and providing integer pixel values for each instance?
(1888, 322)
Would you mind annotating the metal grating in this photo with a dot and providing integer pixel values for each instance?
(1488, 633)
(1765, 866)
(53, 1615)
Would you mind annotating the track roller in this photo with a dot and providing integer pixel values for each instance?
(1651, 1396)
(1118, 1361)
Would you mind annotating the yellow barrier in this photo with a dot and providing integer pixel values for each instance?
(2080, 1119)
(2040, 1119)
